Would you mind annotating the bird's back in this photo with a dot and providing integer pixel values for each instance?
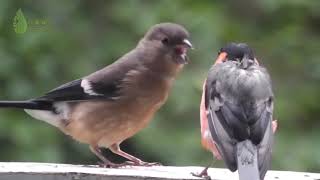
(238, 83)
(239, 97)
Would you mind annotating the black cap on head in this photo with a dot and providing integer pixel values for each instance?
(236, 51)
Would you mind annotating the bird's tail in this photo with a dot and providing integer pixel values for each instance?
(29, 104)
(247, 161)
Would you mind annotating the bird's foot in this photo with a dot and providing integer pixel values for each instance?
(142, 163)
(150, 164)
(200, 175)
(203, 174)
(128, 163)
(111, 165)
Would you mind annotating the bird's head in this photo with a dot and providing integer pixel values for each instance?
(235, 52)
(171, 39)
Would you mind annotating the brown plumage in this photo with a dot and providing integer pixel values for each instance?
(108, 106)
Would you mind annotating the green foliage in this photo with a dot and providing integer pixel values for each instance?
(83, 36)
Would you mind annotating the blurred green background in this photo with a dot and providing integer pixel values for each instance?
(83, 36)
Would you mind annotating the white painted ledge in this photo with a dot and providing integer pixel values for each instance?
(44, 171)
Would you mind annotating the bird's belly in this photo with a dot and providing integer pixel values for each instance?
(104, 123)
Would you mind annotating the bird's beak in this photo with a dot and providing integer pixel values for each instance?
(256, 61)
(182, 50)
(221, 58)
(187, 43)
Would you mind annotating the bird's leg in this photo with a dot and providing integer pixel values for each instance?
(203, 174)
(105, 161)
(115, 148)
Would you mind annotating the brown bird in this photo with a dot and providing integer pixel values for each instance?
(110, 105)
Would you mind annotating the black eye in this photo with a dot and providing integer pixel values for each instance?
(165, 41)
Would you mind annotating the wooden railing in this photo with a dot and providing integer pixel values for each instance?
(44, 171)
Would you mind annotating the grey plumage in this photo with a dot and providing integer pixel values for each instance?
(247, 158)
(239, 98)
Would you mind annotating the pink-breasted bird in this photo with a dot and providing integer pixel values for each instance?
(236, 112)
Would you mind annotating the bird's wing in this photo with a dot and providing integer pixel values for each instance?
(228, 122)
(82, 89)
(265, 150)
(219, 129)
(103, 84)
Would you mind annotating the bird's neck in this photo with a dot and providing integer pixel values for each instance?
(246, 63)
(158, 61)
(165, 67)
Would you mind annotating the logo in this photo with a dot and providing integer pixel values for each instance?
(22, 25)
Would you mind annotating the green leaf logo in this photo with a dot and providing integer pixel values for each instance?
(20, 24)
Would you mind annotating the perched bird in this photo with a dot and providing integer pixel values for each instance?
(110, 105)
(236, 112)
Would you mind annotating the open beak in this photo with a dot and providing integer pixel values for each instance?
(187, 43)
(182, 50)
(221, 58)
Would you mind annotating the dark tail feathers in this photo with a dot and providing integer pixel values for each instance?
(29, 104)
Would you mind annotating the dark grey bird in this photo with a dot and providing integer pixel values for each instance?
(110, 105)
(239, 107)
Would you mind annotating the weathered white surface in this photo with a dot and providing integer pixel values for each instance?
(43, 171)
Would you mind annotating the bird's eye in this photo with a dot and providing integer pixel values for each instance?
(165, 41)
